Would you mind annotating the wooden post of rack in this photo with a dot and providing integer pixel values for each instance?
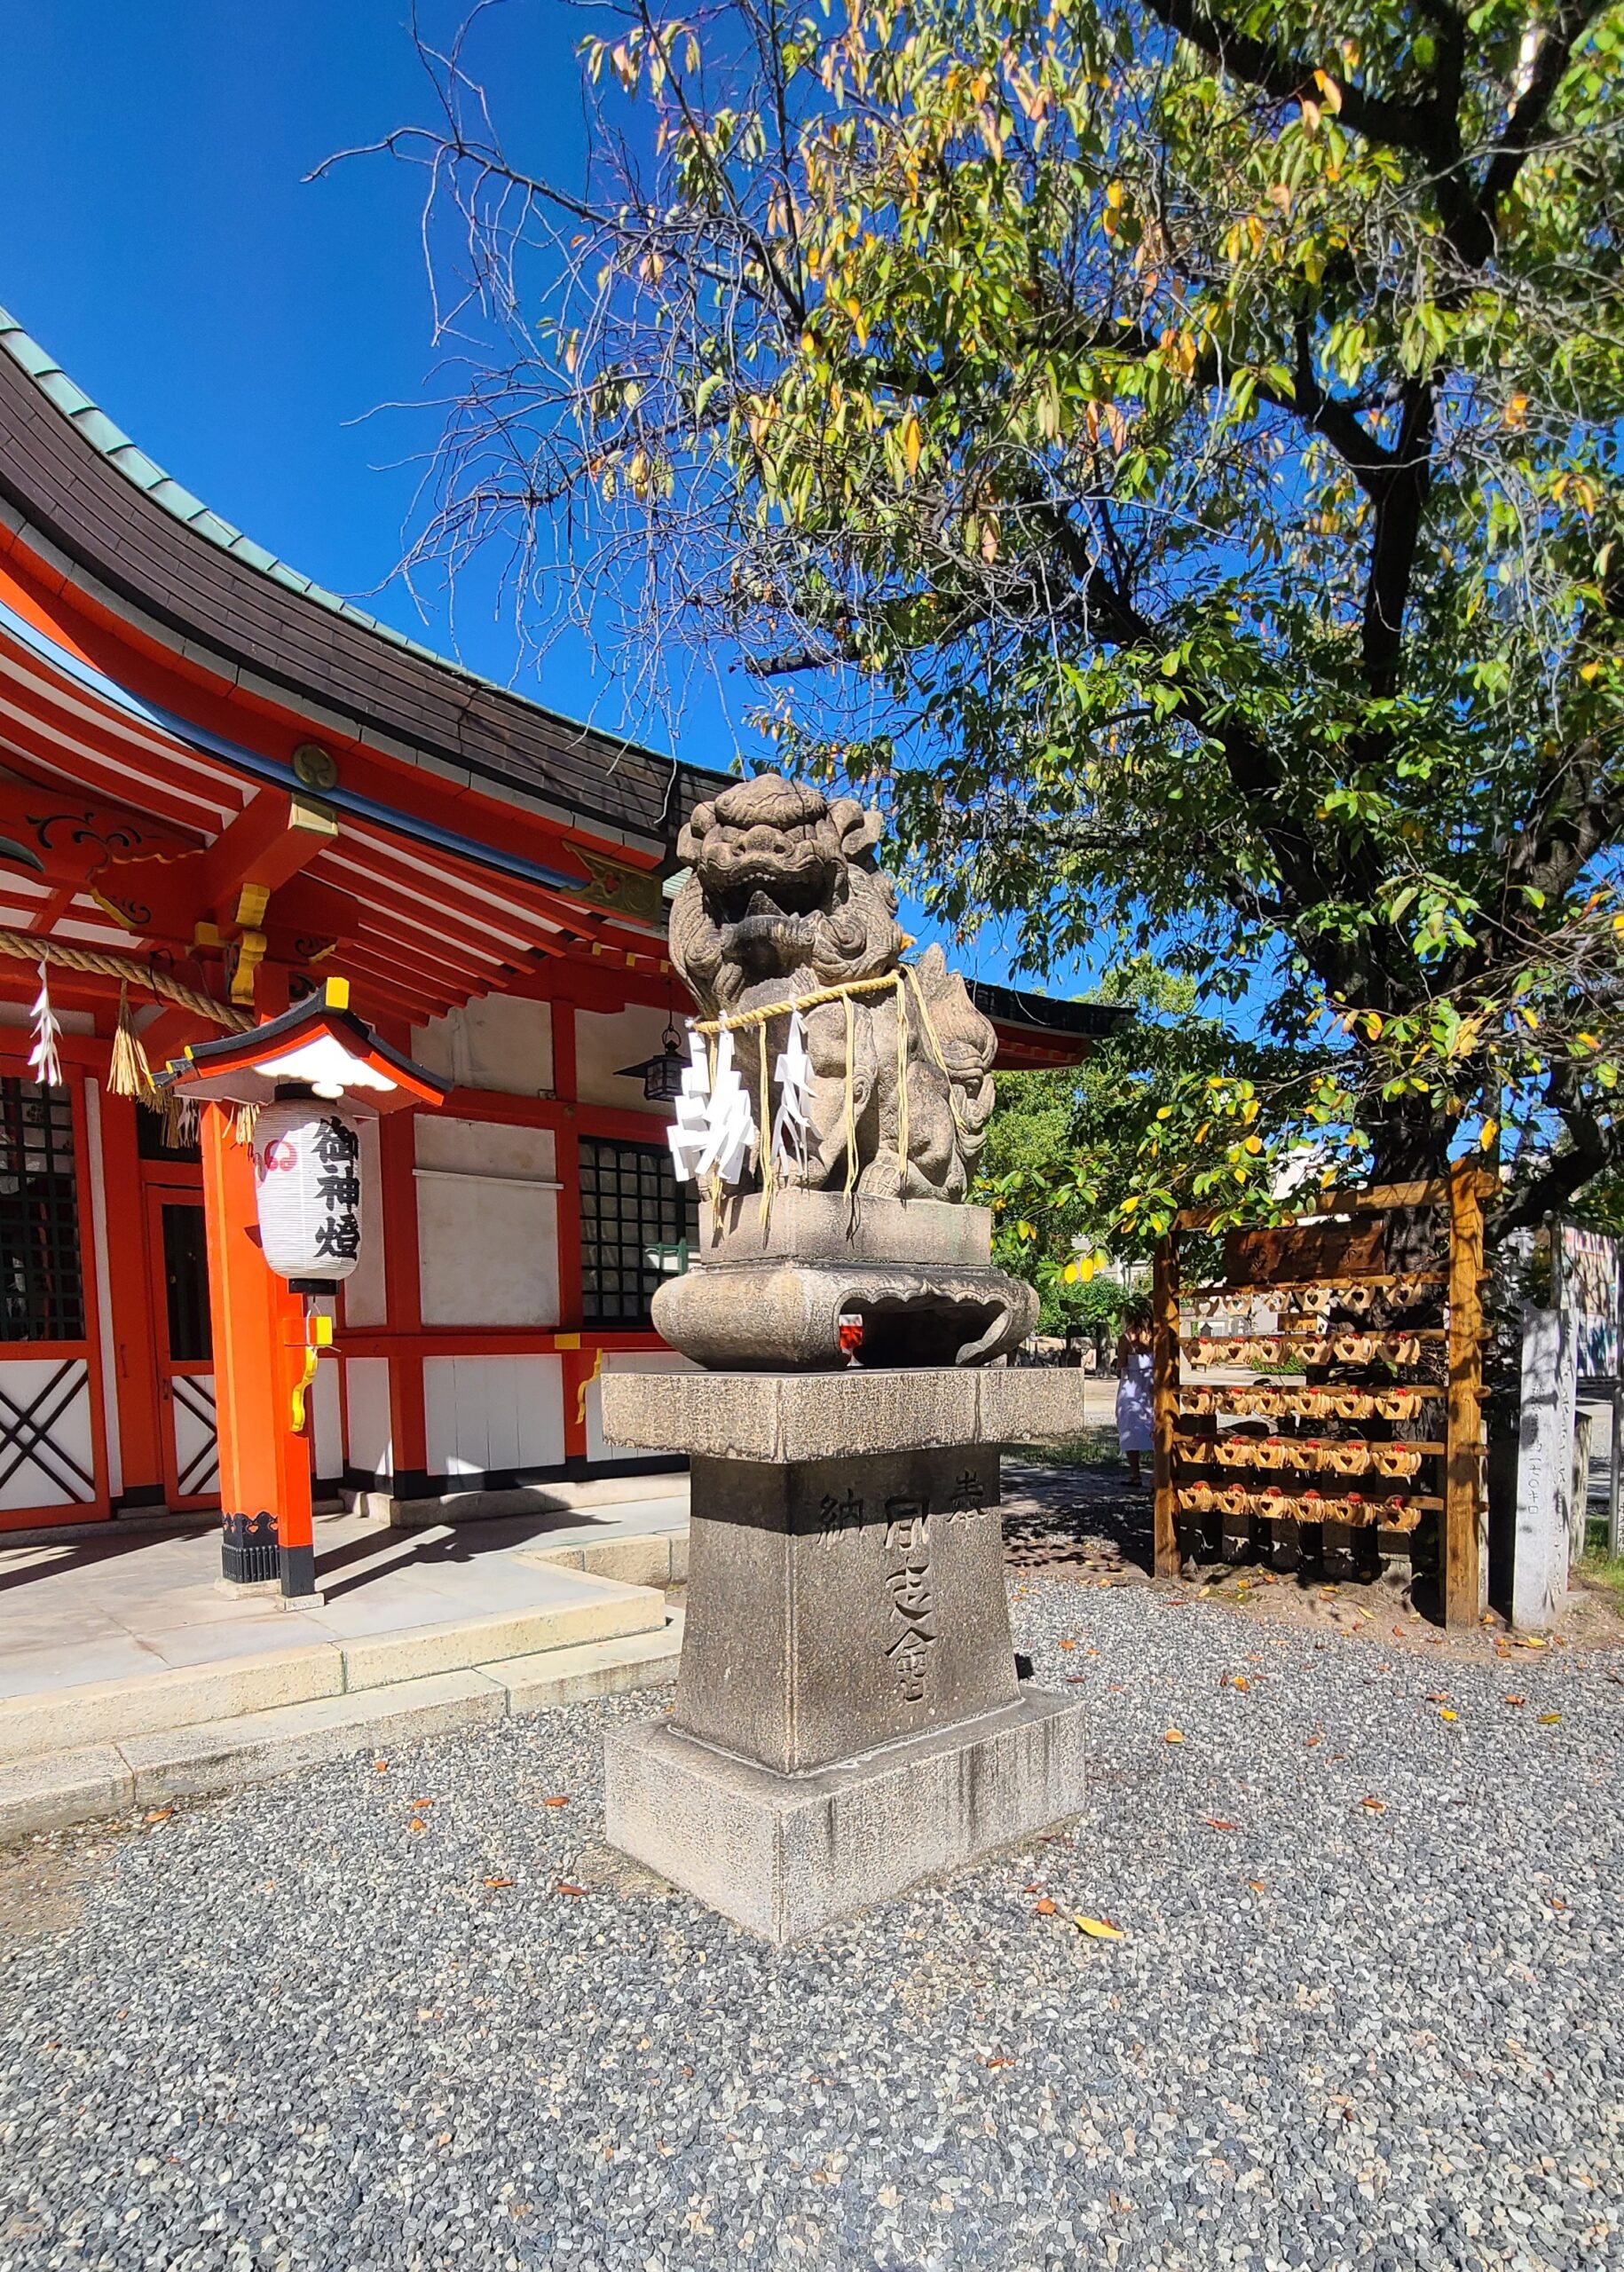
(1462, 1465)
(1164, 1400)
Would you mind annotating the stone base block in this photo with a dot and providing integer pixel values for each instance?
(788, 1417)
(785, 1855)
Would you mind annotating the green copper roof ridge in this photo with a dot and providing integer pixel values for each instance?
(132, 463)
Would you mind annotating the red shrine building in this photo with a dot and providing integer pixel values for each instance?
(226, 794)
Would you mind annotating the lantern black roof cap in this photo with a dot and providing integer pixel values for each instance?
(250, 1067)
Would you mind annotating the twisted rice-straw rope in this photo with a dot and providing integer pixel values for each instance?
(61, 956)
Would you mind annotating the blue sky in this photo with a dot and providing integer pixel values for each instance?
(245, 325)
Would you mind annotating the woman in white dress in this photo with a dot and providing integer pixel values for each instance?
(1135, 1430)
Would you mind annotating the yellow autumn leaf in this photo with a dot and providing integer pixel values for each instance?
(1488, 1133)
(1446, 1714)
(1097, 1927)
(913, 441)
(1549, 1719)
(1173, 1735)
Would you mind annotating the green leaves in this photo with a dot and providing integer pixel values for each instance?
(1183, 474)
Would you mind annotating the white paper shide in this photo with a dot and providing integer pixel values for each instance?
(715, 1134)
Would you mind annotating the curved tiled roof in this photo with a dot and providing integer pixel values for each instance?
(74, 478)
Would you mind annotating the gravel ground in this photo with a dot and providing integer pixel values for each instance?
(289, 2029)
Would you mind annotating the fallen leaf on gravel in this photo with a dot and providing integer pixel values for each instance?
(1446, 1714)
(1044, 1908)
(380, 1767)
(556, 1803)
(1556, 1904)
(997, 2062)
(496, 1882)
(1098, 1929)
(417, 1823)
(1517, 1699)
(1527, 1641)
(159, 1814)
(1549, 1719)
(1376, 1806)
(563, 1886)
(1438, 1696)
(1035, 1887)
(1075, 1679)
(1173, 1735)
(1256, 1885)
(1215, 1822)
(1068, 1644)
(422, 1803)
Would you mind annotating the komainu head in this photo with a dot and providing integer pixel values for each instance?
(784, 888)
(785, 901)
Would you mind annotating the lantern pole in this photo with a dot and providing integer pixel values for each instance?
(259, 1347)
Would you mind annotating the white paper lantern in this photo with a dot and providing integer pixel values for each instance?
(307, 1181)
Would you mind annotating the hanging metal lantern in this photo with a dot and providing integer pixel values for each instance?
(661, 1075)
(307, 1188)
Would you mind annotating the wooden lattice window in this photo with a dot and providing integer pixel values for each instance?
(42, 1277)
(636, 1223)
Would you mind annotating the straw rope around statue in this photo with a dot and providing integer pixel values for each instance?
(903, 982)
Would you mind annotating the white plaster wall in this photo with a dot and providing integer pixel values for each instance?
(504, 1042)
(604, 1041)
(487, 1223)
(489, 1414)
(364, 1298)
(626, 1360)
(371, 1442)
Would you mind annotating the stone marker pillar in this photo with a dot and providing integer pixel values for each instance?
(847, 1717)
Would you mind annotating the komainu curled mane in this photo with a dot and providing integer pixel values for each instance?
(785, 899)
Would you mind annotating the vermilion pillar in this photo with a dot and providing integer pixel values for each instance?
(258, 1359)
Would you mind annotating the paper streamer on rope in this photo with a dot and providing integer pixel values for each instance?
(794, 1076)
(713, 1110)
(689, 1133)
(715, 1130)
(731, 1122)
(44, 1060)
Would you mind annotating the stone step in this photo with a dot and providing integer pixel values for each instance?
(650, 1558)
(197, 1763)
(91, 1782)
(598, 1668)
(588, 1608)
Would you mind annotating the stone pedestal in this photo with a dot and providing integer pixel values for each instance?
(768, 1285)
(847, 1717)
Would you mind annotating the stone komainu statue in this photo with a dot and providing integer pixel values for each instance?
(785, 898)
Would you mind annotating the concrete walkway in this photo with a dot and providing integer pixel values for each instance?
(122, 1606)
(128, 1677)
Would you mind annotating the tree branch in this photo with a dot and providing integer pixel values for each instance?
(1408, 126)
